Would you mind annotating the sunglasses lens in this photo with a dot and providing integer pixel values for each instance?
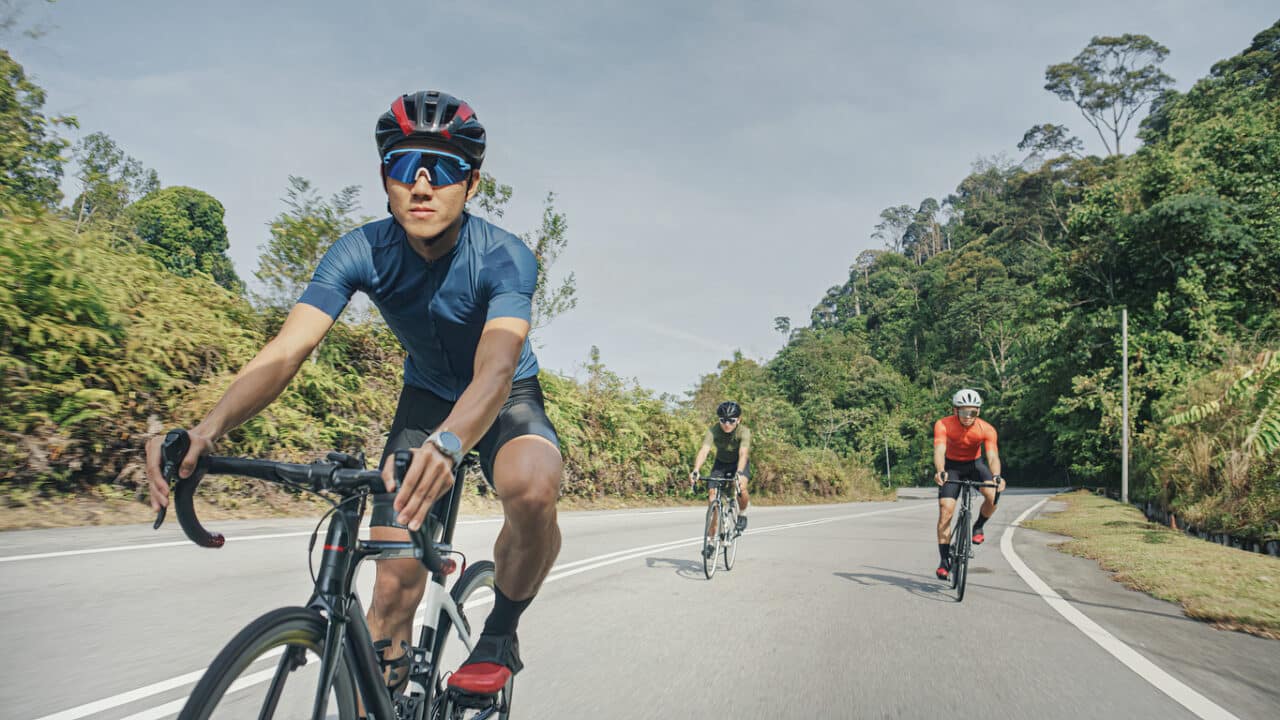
(968, 413)
(441, 169)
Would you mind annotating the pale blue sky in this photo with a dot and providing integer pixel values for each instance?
(720, 163)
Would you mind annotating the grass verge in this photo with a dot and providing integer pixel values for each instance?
(108, 505)
(1231, 589)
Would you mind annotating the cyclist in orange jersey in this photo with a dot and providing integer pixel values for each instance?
(958, 443)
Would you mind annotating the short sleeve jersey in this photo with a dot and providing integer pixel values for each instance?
(436, 309)
(726, 444)
(964, 444)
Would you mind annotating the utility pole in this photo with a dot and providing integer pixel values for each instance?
(888, 472)
(1124, 404)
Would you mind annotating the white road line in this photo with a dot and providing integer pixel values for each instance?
(558, 573)
(1198, 704)
(148, 546)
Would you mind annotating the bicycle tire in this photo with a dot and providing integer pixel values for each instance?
(731, 536)
(962, 562)
(295, 628)
(477, 576)
(955, 548)
(711, 540)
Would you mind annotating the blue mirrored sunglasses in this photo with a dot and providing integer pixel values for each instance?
(442, 168)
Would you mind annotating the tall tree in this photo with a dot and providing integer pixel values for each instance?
(300, 236)
(183, 228)
(893, 226)
(109, 180)
(30, 153)
(549, 299)
(1111, 80)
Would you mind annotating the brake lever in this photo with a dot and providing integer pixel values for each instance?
(172, 452)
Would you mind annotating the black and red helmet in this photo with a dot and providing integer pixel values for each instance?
(432, 115)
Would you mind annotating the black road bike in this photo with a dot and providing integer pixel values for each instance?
(318, 660)
(720, 534)
(962, 535)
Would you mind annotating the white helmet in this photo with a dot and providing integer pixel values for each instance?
(966, 398)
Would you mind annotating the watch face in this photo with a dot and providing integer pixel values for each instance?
(449, 442)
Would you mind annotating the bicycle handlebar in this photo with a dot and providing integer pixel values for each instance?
(319, 477)
(973, 484)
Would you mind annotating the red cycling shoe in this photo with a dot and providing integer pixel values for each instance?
(495, 659)
(484, 678)
(943, 573)
(979, 538)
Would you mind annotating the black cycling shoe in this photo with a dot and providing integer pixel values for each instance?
(742, 523)
(708, 550)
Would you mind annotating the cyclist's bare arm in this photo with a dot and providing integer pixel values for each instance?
(430, 474)
(993, 462)
(703, 452)
(744, 454)
(257, 384)
(940, 462)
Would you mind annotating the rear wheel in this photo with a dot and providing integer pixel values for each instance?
(955, 549)
(711, 540)
(271, 669)
(731, 536)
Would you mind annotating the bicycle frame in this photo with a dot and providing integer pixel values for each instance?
(335, 598)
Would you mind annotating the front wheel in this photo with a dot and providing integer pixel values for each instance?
(271, 669)
(711, 540)
(960, 558)
(471, 601)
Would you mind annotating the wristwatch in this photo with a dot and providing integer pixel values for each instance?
(449, 444)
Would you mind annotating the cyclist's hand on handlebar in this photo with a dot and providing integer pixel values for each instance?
(693, 479)
(429, 476)
(200, 445)
(1000, 479)
(940, 477)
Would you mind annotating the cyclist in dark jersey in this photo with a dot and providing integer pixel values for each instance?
(732, 442)
(457, 292)
(958, 444)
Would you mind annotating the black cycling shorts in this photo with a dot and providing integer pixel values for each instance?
(973, 470)
(728, 469)
(420, 412)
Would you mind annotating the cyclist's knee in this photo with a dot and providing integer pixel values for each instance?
(533, 503)
(398, 586)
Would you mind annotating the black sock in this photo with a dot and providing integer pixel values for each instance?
(505, 615)
(981, 521)
(944, 551)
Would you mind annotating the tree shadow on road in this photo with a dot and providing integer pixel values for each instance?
(687, 569)
(919, 585)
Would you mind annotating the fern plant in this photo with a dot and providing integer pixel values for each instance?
(1253, 391)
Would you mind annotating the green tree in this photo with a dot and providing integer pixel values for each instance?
(550, 300)
(109, 180)
(182, 228)
(1110, 81)
(492, 198)
(300, 236)
(30, 153)
(1048, 138)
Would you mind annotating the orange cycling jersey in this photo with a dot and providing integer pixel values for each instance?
(962, 442)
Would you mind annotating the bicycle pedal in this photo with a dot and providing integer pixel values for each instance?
(470, 701)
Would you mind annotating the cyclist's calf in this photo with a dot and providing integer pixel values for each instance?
(946, 509)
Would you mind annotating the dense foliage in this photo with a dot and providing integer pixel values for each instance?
(1012, 284)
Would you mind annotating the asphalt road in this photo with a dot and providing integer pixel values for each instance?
(831, 612)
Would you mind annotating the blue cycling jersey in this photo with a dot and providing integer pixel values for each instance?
(436, 309)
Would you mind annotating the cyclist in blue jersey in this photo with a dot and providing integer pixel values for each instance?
(457, 292)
